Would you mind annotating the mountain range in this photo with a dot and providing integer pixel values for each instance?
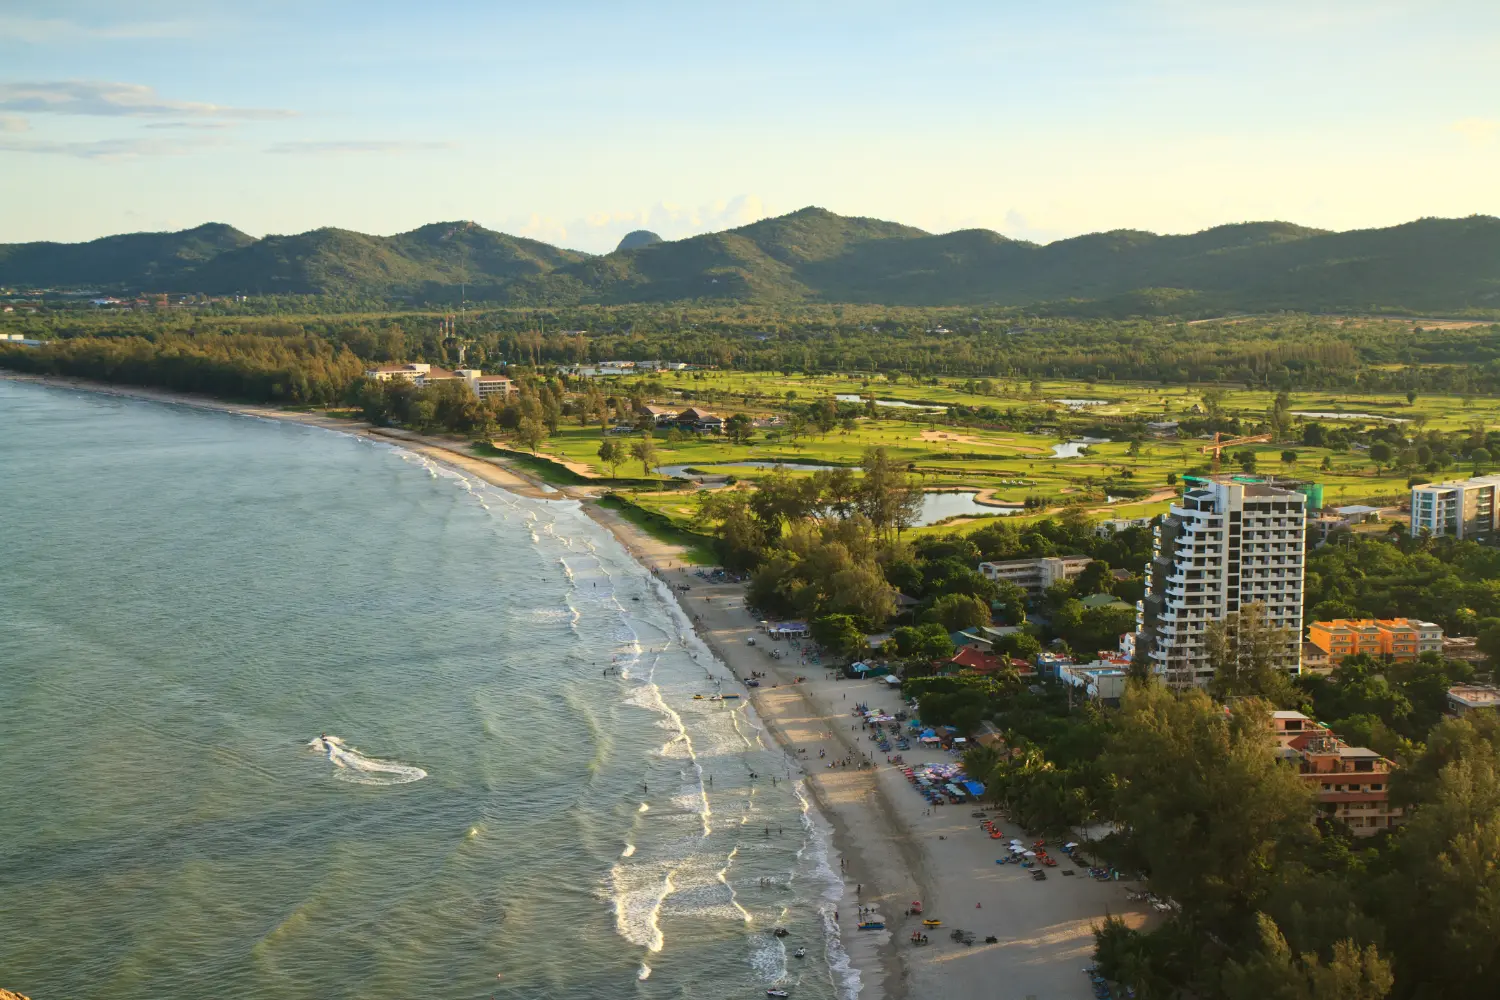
(813, 255)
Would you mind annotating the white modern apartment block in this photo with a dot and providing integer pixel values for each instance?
(1223, 546)
(1463, 508)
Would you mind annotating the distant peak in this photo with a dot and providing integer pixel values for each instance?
(636, 239)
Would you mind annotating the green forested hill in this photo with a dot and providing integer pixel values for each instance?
(771, 259)
(816, 256)
(421, 263)
(135, 260)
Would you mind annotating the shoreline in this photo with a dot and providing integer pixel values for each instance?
(876, 962)
(895, 849)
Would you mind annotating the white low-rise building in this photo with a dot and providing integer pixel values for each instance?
(1102, 680)
(1466, 698)
(1113, 526)
(1035, 575)
(420, 373)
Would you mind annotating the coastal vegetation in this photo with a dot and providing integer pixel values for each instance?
(1274, 902)
(295, 370)
(890, 346)
(1021, 444)
(1268, 893)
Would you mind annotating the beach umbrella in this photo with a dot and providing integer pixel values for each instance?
(1029, 854)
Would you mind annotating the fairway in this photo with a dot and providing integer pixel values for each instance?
(1025, 463)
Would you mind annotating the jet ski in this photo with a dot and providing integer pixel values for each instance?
(777, 993)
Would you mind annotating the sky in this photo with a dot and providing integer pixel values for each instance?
(574, 121)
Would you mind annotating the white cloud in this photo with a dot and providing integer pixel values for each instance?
(107, 99)
(108, 149)
(14, 123)
(338, 146)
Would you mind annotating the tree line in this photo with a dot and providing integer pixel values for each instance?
(1292, 351)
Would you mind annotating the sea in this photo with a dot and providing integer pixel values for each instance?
(289, 713)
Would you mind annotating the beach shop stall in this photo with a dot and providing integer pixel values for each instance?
(939, 784)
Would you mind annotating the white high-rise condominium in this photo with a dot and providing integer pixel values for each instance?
(1223, 546)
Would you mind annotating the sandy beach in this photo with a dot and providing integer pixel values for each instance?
(893, 848)
(897, 849)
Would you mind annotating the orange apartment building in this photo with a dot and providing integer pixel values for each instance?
(1396, 638)
(1352, 784)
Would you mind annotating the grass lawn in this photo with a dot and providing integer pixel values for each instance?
(758, 390)
(644, 511)
(547, 472)
(1010, 466)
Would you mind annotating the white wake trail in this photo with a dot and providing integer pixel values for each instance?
(353, 766)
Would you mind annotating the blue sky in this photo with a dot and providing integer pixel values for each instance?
(576, 121)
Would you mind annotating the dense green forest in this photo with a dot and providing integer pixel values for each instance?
(1290, 351)
(1271, 901)
(300, 369)
(812, 255)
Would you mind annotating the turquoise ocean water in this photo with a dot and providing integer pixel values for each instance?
(189, 600)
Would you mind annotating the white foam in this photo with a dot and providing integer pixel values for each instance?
(818, 850)
(638, 899)
(723, 875)
(353, 766)
(768, 957)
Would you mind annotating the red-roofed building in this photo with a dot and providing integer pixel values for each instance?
(970, 658)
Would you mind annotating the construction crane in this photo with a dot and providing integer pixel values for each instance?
(1221, 442)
